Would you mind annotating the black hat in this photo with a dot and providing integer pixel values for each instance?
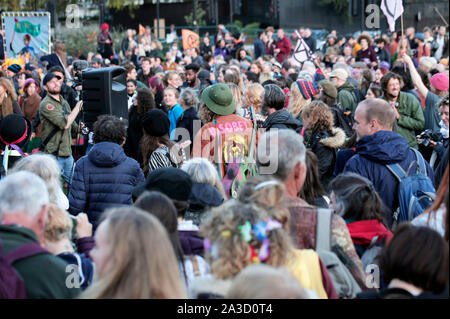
(15, 129)
(156, 123)
(173, 182)
(49, 77)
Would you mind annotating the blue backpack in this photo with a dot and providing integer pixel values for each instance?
(416, 192)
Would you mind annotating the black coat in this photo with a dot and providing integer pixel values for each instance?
(282, 119)
(186, 121)
(134, 135)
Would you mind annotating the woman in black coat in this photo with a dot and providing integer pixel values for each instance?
(143, 102)
(322, 138)
(186, 122)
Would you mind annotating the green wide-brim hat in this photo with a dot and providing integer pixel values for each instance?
(219, 99)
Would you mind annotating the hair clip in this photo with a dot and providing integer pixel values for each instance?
(260, 230)
(206, 244)
(273, 224)
(246, 231)
(264, 250)
(254, 256)
(226, 233)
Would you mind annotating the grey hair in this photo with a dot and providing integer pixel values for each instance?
(344, 66)
(279, 151)
(189, 96)
(309, 67)
(23, 192)
(306, 76)
(201, 170)
(46, 167)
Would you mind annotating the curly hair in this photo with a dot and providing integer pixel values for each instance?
(387, 77)
(253, 94)
(206, 115)
(269, 196)
(319, 115)
(231, 253)
(145, 101)
(109, 128)
(364, 36)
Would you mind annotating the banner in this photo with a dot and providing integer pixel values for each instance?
(392, 9)
(27, 34)
(190, 39)
(302, 52)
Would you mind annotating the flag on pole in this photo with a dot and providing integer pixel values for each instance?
(190, 39)
(302, 52)
(392, 9)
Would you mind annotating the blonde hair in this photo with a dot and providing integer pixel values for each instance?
(9, 88)
(230, 252)
(142, 260)
(237, 94)
(203, 171)
(253, 94)
(297, 102)
(264, 76)
(260, 281)
(267, 193)
(58, 225)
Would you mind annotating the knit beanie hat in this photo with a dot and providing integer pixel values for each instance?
(156, 123)
(307, 89)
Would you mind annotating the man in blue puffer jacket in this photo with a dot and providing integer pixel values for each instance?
(106, 176)
(377, 146)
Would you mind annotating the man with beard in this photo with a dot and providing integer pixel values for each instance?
(192, 77)
(58, 125)
(146, 73)
(407, 109)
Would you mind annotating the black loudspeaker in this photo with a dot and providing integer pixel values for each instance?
(104, 92)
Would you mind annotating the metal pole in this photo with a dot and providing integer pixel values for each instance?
(231, 11)
(195, 16)
(157, 19)
(36, 5)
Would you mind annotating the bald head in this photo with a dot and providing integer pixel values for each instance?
(379, 110)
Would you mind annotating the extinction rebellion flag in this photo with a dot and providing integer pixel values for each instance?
(392, 9)
(302, 52)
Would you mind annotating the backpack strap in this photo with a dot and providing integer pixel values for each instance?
(24, 251)
(397, 171)
(220, 168)
(253, 140)
(421, 168)
(373, 242)
(323, 229)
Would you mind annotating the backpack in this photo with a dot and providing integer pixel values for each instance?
(234, 166)
(343, 120)
(371, 253)
(416, 192)
(345, 284)
(11, 284)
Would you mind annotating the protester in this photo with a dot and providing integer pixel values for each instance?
(346, 96)
(156, 147)
(105, 42)
(105, 170)
(188, 121)
(414, 264)
(8, 99)
(25, 203)
(134, 258)
(377, 145)
(313, 191)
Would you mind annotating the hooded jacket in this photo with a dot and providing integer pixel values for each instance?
(346, 97)
(373, 152)
(103, 179)
(282, 119)
(363, 231)
(325, 144)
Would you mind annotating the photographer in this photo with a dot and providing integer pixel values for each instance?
(381, 51)
(438, 141)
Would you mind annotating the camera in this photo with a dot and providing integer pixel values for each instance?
(427, 136)
(78, 67)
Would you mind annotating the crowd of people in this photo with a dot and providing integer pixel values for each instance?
(240, 173)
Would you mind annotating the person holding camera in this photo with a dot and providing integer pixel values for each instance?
(58, 125)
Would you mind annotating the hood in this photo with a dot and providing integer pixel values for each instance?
(363, 231)
(384, 147)
(204, 195)
(283, 117)
(347, 86)
(336, 140)
(107, 154)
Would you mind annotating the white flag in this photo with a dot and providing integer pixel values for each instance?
(302, 52)
(392, 9)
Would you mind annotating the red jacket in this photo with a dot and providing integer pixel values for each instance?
(285, 49)
(363, 231)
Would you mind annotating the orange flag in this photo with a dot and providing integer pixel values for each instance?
(190, 39)
(141, 29)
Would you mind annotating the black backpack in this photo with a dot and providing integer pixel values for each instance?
(343, 119)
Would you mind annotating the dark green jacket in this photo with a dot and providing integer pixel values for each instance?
(52, 114)
(411, 118)
(44, 275)
(346, 97)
